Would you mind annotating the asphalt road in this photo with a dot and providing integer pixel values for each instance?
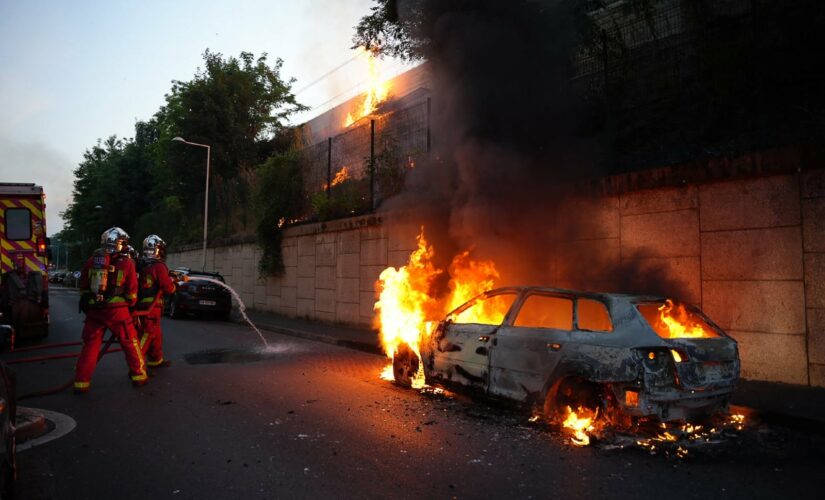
(311, 420)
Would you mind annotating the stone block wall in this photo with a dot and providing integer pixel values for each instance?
(330, 269)
(750, 252)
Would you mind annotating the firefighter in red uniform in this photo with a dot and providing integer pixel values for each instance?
(108, 287)
(153, 283)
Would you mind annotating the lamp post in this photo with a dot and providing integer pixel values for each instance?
(206, 193)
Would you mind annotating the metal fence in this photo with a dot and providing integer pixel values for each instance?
(687, 79)
(354, 171)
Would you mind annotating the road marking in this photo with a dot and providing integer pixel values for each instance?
(63, 424)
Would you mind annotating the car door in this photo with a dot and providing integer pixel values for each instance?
(529, 346)
(462, 351)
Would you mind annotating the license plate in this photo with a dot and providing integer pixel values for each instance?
(717, 370)
(207, 302)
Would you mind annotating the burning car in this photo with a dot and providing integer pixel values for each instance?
(556, 349)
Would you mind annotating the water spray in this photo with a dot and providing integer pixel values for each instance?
(241, 305)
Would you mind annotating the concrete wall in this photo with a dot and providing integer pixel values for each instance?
(330, 268)
(750, 252)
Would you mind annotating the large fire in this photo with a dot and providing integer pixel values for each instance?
(407, 308)
(377, 90)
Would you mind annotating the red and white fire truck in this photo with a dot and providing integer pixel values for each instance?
(24, 294)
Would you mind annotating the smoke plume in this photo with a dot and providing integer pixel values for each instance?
(510, 135)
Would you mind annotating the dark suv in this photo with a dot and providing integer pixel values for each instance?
(199, 293)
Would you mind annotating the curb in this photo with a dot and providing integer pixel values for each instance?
(29, 424)
(326, 339)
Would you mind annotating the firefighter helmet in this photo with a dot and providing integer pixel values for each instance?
(154, 247)
(114, 240)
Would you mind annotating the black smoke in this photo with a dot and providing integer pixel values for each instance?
(511, 136)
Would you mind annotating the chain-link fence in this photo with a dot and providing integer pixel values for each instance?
(679, 80)
(354, 171)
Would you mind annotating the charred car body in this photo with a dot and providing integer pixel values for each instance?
(551, 348)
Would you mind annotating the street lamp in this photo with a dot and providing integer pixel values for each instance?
(206, 193)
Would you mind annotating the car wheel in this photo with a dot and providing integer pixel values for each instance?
(174, 312)
(575, 393)
(405, 365)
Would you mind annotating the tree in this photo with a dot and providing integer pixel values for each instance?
(150, 184)
(278, 200)
(234, 105)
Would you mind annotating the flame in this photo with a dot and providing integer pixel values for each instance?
(678, 324)
(377, 90)
(469, 278)
(579, 422)
(404, 303)
(340, 176)
(676, 439)
(408, 311)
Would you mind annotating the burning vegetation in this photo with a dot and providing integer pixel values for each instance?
(377, 92)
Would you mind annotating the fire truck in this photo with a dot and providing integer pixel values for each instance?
(24, 294)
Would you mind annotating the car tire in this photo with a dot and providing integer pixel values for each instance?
(174, 312)
(405, 365)
(574, 392)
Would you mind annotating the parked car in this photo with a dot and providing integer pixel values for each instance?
(550, 348)
(195, 294)
(57, 276)
(71, 279)
(8, 413)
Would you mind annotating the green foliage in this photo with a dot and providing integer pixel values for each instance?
(151, 184)
(344, 200)
(279, 199)
(390, 169)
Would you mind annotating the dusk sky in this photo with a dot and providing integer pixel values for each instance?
(74, 72)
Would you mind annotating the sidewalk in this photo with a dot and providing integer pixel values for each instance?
(784, 404)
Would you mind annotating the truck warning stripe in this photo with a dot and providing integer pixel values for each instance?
(24, 203)
(34, 210)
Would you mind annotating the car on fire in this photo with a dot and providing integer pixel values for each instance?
(553, 348)
(197, 293)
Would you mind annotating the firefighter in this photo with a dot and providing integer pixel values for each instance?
(153, 283)
(108, 285)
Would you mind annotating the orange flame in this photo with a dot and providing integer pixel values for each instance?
(579, 423)
(407, 309)
(468, 279)
(677, 323)
(340, 176)
(404, 305)
(377, 90)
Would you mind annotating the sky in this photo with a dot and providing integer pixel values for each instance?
(76, 71)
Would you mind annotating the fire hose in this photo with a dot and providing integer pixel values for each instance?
(62, 387)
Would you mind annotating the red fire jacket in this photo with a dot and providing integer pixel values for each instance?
(154, 282)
